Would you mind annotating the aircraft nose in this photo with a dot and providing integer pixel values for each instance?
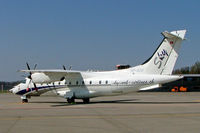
(11, 90)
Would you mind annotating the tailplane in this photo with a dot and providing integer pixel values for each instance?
(164, 58)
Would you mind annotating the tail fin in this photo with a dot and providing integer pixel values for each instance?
(164, 58)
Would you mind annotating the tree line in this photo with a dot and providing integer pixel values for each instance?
(194, 69)
(8, 85)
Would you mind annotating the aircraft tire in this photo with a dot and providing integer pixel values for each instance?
(24, 100)
(86, 100)
(70, 100)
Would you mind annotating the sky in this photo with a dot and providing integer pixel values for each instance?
(91, 34)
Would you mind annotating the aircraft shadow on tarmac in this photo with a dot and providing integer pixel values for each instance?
(127, 101)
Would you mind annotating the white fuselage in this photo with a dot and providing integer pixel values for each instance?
(94, 84)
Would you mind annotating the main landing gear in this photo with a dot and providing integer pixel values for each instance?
(86, 100)
(72, 100)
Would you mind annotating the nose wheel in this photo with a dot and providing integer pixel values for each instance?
(24, 100)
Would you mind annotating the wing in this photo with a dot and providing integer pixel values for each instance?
(48, 76)
(50, 71)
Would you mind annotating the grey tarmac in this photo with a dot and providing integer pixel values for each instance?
(141, 112)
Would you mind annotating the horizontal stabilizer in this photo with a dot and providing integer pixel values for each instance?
(175, 34)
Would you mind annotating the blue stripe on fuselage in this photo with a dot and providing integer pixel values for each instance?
(24, 91)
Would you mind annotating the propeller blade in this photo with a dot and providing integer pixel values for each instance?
(23, 76)
(28, 66)
(63, 77)
(35, 87)
(35, 66)
(70, 68)
(64, 67)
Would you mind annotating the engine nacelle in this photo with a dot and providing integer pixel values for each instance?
(43, 78)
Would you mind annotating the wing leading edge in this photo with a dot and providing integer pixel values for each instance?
(48, 76)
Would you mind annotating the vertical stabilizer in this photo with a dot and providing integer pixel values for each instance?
(164, 58)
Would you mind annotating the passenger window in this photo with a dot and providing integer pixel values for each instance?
(83, 82)
(76, 82)
(106, 81)
(90, 82)
(99, 82)
(70, 83)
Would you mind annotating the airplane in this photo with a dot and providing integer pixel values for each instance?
(87, 84)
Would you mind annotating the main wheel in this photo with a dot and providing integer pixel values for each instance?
(70, 100)
(86, 100)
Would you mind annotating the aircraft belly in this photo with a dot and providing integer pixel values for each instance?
(95, 91)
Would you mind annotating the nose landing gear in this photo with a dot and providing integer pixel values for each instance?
(24, 99)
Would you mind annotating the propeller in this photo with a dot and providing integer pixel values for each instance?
(30, 73)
